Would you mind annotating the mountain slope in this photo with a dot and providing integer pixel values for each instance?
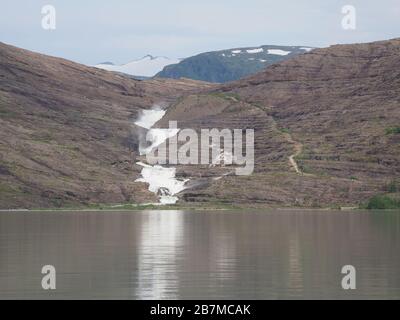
(228, 65)
(148, 66)
(66, 133)
(325, 128)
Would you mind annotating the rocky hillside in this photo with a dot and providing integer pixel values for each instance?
(327, 128)
(228, 65)
(66, 133)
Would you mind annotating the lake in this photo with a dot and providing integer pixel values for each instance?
(277, 254)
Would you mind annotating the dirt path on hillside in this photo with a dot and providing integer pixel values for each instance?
(298, 148)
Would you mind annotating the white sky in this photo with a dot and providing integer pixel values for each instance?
(92, 31)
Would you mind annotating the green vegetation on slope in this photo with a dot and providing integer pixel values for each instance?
(393, 186)
(383, 202)
(393, 130)
(228, 65)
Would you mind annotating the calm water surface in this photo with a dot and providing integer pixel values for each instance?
(200, 255)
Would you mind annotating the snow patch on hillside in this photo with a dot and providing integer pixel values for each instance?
(258, 50)
(148, 66)
(162, 182)
(278, 52)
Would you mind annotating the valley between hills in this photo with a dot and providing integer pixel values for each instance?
(327, 131)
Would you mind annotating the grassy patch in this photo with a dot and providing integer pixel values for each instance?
(284, 130)
(126, 206)
(68, 147)
(392, 187)
(5, 111)
(137, 207)
(383, 202)
(4, 188)
(43, 137)
(393, 130)
(7, 114)
(226, 96)
(308, 169)
(183, 206)
(9, 193)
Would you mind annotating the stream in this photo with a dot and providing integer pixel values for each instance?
(162, 180)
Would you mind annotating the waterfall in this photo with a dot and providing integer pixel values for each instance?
(161, 180)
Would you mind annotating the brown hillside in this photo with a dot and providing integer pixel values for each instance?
(324, 128)
(66, 132)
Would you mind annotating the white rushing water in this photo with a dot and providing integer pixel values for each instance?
(161, 180)
(157, 137)
(149, 118)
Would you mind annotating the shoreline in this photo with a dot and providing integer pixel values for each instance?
(182, 208)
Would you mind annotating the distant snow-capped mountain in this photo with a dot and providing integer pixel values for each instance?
(229, 65)
(148, 66)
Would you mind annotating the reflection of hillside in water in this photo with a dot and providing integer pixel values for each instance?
(205, 255)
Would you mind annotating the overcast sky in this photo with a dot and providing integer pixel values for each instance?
(92, 31)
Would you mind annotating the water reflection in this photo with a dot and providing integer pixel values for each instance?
(160, 246)
(295, 274)
(200, 255)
